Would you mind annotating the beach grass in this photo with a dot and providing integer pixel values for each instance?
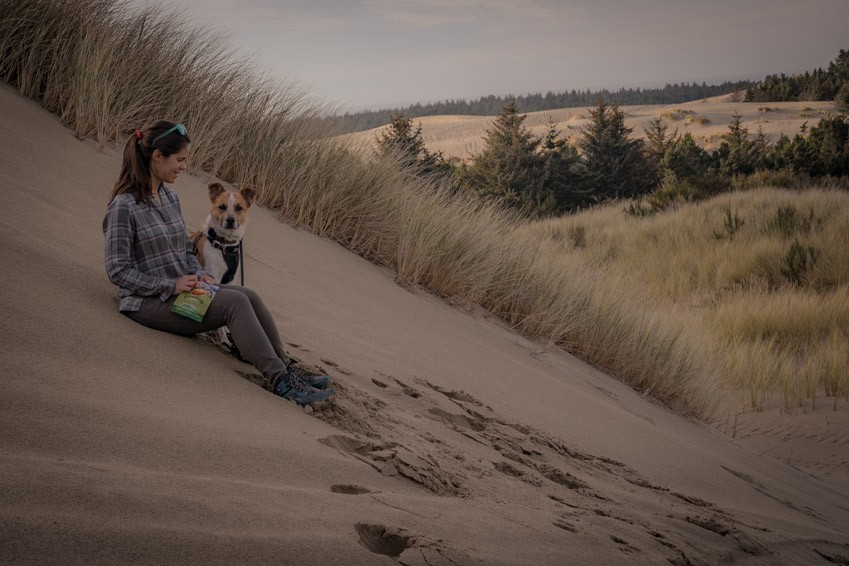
(760, 277)
(670, 303)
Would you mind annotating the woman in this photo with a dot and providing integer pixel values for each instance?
(150, 259)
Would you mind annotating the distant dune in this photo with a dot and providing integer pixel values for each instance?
(706, 120)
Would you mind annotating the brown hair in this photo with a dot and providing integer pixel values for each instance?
(135, 168)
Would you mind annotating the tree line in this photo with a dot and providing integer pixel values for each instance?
(547, 175)
(492, 105)
(822, 84)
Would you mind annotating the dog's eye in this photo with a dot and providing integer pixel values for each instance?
(238, 208)
(222, 207)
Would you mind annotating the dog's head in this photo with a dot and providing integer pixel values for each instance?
(229, 208)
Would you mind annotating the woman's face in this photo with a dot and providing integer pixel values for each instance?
(166, 169)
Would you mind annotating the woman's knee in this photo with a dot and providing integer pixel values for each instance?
(251, 294)
(246, 291)
(231, 300)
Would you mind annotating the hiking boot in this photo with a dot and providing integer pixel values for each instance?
(292, 387)
(316, 381)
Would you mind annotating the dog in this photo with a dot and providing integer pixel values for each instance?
(218, 244)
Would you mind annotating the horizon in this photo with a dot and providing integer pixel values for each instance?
(379, 54)
(610, 88)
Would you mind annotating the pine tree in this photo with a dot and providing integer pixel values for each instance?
(736, 154)
(780, 154)
(402, 141)
(841, 99)
(658, 140)
(508, 169)
(828, 147)
(614, 162)
(760, 149)
(400, 138)
(563, 176)
(686, 158)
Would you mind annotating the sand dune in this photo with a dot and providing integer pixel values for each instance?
(452, 441)
(706, 120)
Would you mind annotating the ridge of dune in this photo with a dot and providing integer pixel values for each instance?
(452, 440)
(707, 120)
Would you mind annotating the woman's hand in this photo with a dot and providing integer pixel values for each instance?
(185, 283)
(208, 280)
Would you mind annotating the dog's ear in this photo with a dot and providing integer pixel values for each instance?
(249, 195)
(215, 190)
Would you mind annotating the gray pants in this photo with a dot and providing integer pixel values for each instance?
(238, 308)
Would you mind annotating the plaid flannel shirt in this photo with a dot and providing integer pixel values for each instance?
(147, 248)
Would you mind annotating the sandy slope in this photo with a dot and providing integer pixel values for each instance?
(453, 441)
(706, 120)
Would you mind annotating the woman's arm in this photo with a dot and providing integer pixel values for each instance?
(194, 265)
(120, 266)
(191, 257)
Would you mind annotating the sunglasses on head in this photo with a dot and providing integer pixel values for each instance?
(179, 128)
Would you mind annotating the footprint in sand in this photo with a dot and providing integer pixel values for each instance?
(335, 366)
(409, 391)
(456, 419)
(388, 541)
(416, 549)
(392, 459)
(565, 525)
(624, 545)
(350, 489)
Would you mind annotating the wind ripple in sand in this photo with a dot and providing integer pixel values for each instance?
(816, 442)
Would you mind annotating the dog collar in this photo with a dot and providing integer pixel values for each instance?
(221, 243)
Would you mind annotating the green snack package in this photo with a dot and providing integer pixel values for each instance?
(194, 304)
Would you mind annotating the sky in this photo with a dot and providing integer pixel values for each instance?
(370, 54)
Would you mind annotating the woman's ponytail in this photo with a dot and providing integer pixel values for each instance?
(135, 165)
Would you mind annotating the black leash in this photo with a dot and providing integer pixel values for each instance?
(242, 261)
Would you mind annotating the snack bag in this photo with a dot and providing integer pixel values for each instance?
(194, 304)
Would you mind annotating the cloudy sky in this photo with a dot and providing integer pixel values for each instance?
(384, 53)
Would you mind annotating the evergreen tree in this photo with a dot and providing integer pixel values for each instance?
(841, 99)
(401, 140)
(509, 168)
(827, 148)
(802, 154)
(736, 154)
(780, 154)
(614, 162)
(563, 176)
(658, 140)
(760, 150)
(686, 159)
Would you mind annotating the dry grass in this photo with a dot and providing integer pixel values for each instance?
(701, 119)
(106, 69)
(759, 278)
(638, 298)
(676, 114)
